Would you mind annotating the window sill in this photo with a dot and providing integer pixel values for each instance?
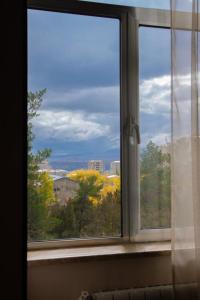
(39, 257)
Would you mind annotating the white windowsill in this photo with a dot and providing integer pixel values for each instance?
(39, 257)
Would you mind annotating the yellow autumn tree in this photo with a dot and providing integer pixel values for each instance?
(91, 183)
(110, 209)
(45, 188)
(96, 207)
(111, 186)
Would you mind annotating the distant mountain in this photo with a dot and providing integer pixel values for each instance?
(73, 161)
(68, 165)
(74, 165)
(113, 154)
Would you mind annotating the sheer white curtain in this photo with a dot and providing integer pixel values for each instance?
(185, 148)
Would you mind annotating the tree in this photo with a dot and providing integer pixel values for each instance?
(110, 208)
(85, 203)
(94, 211)
(155, 187)
(40, 186)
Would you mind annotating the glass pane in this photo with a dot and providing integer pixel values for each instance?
(73, 126)
(159, 4)
(155, 127)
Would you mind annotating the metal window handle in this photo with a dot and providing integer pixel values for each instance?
(133, 130)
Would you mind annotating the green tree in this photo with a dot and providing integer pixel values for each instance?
(94, 211)
(65, 224)
(110, 208)
(84, 204)
(40, 186)
(155, 187)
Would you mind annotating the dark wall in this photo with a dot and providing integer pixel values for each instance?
(66, 280)
(13, 152)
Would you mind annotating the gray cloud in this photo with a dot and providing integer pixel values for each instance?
(155, 95)
(94, 99)
(88, 114)
(66, 51)
(67, 125)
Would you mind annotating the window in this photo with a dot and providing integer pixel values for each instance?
(155, 116)
(89, 74)
(164, 4)
(74, 188)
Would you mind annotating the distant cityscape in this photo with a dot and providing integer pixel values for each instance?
(65, 188)
(98, 165)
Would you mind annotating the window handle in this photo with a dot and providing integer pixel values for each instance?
(133, 130)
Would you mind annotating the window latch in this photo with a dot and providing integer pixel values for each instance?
(133, 131)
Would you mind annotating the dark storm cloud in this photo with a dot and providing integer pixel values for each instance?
(154, 57)
(68, 51)
(80, 151)
(93, 99)
(154, 124)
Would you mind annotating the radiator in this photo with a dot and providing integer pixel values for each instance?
(183, 292)
(148, 293)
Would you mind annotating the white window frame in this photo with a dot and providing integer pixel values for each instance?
(130, 20)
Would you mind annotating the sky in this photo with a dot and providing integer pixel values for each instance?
(76, 58)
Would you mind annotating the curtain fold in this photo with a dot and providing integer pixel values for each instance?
(185, 146)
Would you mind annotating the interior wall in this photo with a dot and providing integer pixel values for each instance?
(66, 280)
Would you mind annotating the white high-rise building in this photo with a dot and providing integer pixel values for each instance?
(97, 165)
(115, 167)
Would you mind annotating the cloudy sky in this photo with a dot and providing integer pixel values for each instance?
(76, 58)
